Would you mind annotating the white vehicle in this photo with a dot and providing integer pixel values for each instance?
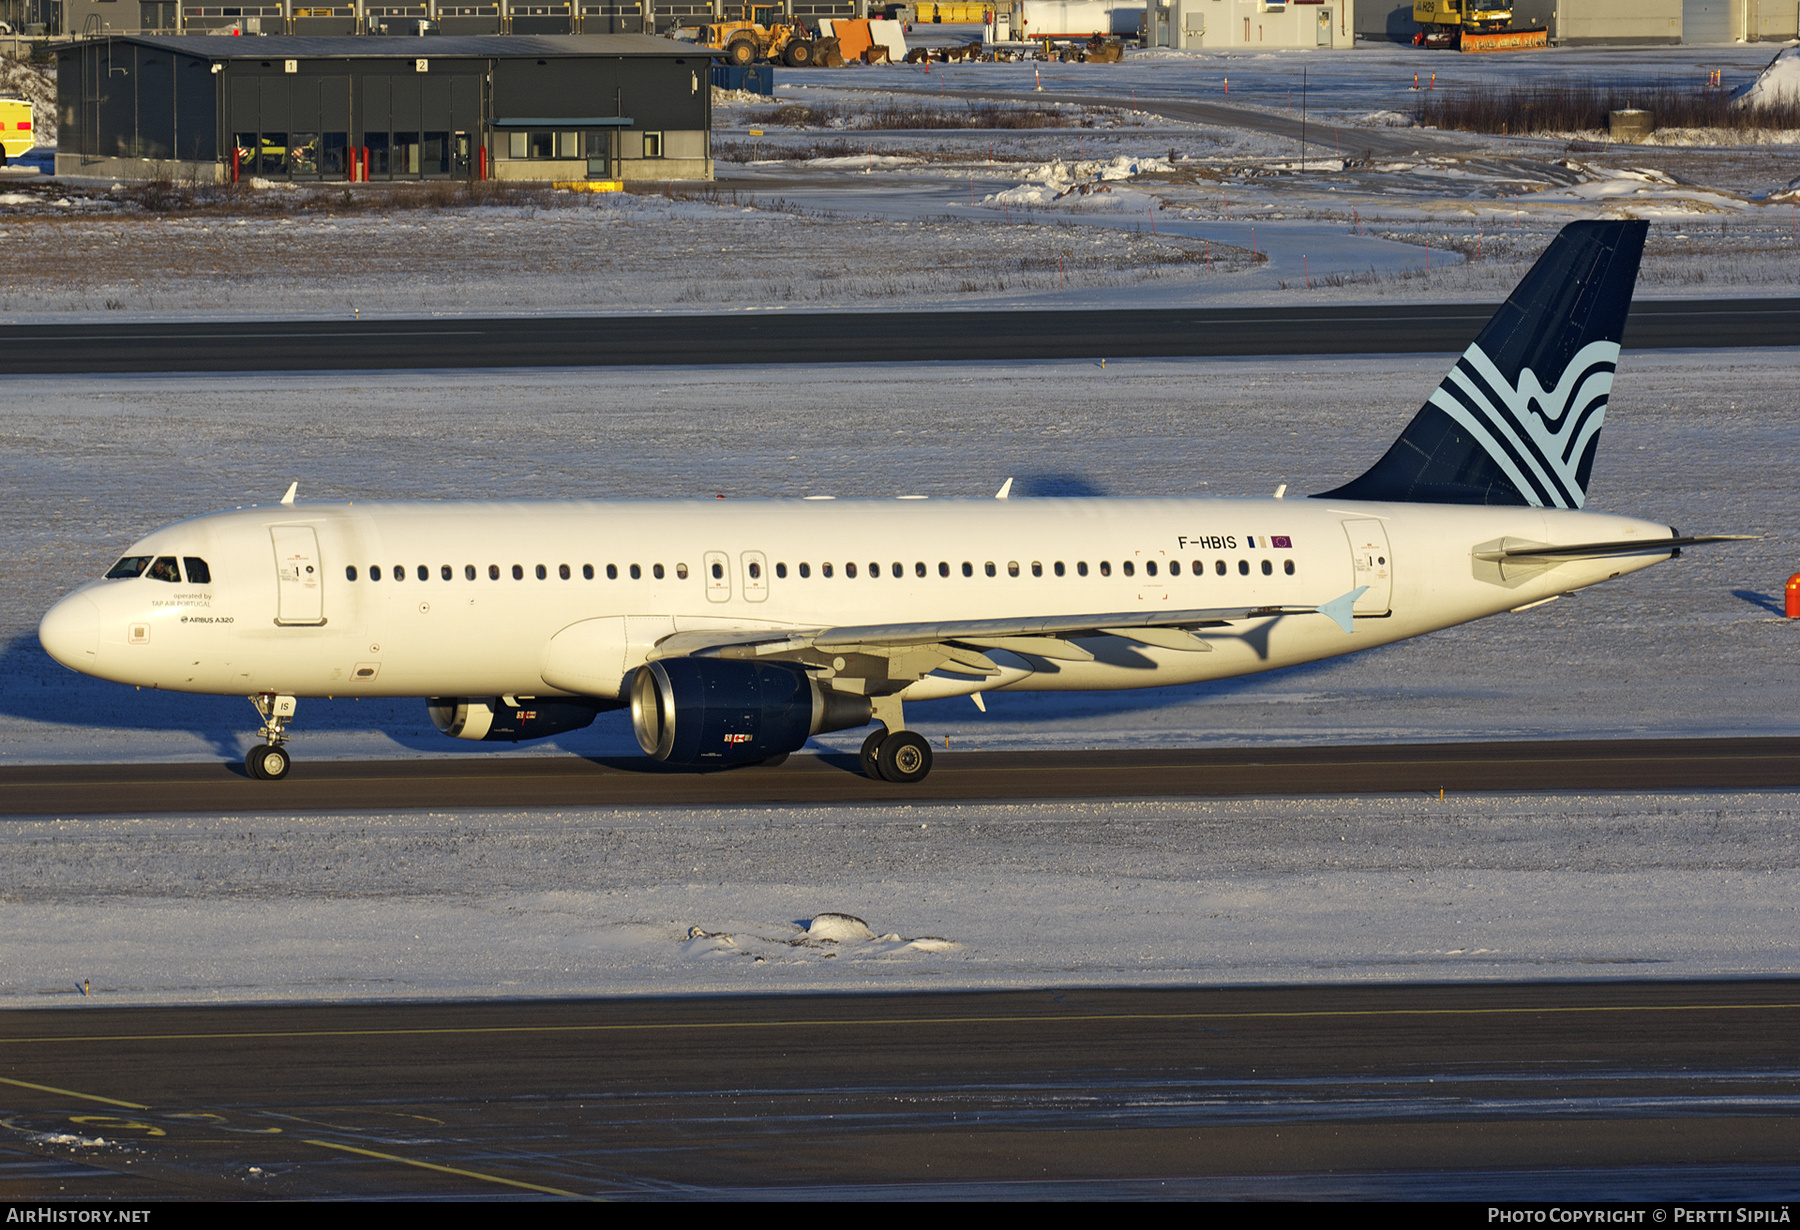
(735, 631)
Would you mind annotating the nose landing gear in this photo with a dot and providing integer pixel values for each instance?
(269, 761)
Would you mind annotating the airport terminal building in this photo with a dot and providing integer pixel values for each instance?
(352, 109)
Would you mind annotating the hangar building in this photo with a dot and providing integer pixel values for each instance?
(1574, 23)
(576, 107)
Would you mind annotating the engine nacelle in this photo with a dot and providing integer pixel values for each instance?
(492, 719)
(723, 711)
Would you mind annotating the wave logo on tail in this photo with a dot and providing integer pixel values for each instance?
(1537, 436)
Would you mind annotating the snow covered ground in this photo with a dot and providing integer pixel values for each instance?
(186, 909)
(1124, 207)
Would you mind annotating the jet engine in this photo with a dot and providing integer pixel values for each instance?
(493, 719)
(721, 711)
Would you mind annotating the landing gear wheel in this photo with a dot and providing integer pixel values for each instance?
(905, 758)
(267, 763)
(871, 752)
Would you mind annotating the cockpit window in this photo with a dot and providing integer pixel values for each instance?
(197, 571)
(164, 570)
(130, 566)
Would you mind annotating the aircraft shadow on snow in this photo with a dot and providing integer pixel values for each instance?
(34, 687)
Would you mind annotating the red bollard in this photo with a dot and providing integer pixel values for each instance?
(1793, 596)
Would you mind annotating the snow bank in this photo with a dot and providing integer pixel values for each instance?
(1778, 83)
(1089, 184)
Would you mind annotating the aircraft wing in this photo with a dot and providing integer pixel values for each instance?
(957, 644)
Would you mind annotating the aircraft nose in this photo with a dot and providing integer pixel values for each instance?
(70, 632)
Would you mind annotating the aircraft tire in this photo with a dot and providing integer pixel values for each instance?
(267, 763)
(905, 758)
(871, 754)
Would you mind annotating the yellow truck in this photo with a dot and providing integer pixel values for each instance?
(16, 136)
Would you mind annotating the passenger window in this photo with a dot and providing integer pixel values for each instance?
(493, 572)
(943, 568)
(541, 571)
(899, 570)
(164, 570)
(130, 566)
(468, 572)
(197, 571)
(919, 569)
(1149, 567)
(587, 572)
(681, 572)
(968, 569)
(825, 570)
(1243, 568)
(1130, 568)
(1059, 568)
(562, 571)
(1105, 568)
(612, 572)
(989, 567)
(850, 570)
(1081, 568)
(1012, 567)
(349, 572)
(1268, 568)
(805, 571)
(1219, 567)
(518, 572)
(1037, 569)
(424, 573)
(1287, 566)
(780, 571)
(637, 573)
(374, 572)
(875, 572)
(399, 572)
(447, 572)
(718, 571)
(755, 570)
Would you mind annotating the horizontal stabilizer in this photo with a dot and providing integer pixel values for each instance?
(1602, 550)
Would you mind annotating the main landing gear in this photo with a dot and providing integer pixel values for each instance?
(903, 756)
(269, 761)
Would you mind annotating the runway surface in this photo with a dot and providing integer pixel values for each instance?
(572, 781)
(859, 337)
(1645, 1091)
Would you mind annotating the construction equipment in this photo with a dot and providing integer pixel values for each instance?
(1442, 23)
(760, 35)
(16, 136)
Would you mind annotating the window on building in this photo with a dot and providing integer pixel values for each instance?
(653, 145)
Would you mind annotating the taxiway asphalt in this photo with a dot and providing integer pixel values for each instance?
(858, 337)
(573, 781)
(1621, 1091)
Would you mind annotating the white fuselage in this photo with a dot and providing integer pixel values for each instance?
(481, 622)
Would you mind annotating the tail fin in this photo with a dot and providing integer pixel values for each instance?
(1495, 432)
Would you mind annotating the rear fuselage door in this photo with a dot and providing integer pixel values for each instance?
(756, 576)
(1373, 562)
(718, 577)
(300, 578)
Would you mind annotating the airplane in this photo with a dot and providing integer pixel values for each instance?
(734, 632)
